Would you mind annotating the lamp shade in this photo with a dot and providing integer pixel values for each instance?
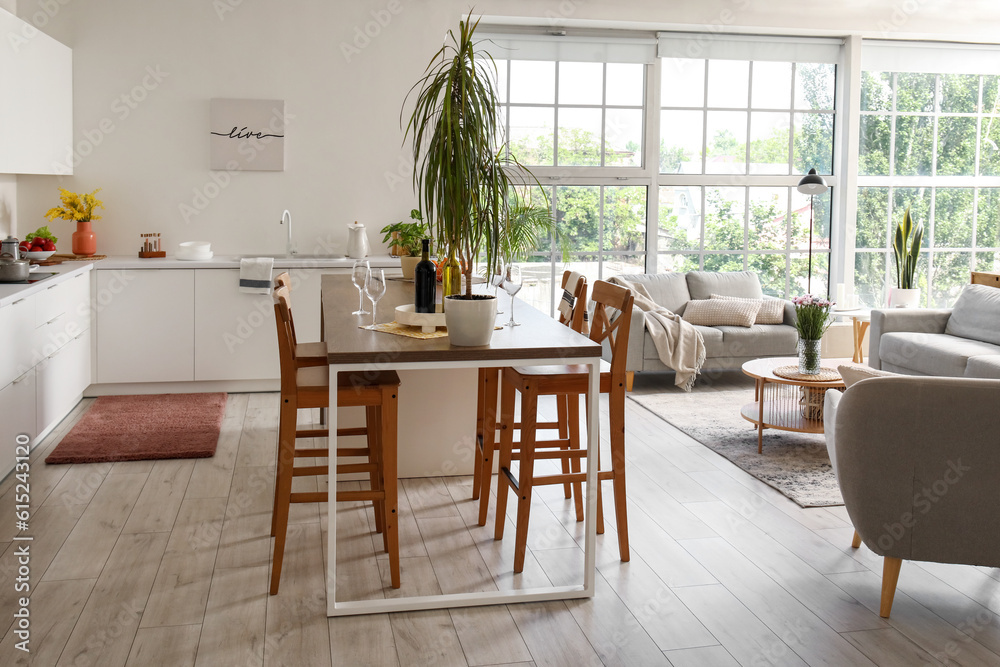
(812, 184)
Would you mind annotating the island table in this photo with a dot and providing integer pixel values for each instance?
(539, 341)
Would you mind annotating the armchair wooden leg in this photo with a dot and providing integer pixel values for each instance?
(856, 542)
(282, 489)
(629, 379)
(890, 575)
(480, 413)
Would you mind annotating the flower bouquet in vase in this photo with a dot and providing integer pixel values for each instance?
(812, 318)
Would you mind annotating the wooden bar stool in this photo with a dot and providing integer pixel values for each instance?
(573, 313)
(572, 381)
(309, 387)
(306, 354)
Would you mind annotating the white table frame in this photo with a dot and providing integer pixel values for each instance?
(472, 599)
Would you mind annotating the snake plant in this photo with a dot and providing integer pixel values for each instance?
(906, 248)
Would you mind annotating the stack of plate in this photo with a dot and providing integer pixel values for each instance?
(195, 251)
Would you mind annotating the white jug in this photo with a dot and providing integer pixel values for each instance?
(357, 241)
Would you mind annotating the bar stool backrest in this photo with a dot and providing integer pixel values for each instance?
(579, 313)
(605, 296)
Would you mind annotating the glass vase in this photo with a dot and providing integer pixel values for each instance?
(809, 356)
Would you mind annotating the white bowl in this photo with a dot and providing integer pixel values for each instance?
(196, 246)
(39, 254)
(195, 256)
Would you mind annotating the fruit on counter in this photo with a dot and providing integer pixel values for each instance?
(42, 233)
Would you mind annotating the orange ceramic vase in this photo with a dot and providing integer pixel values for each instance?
(84, 239)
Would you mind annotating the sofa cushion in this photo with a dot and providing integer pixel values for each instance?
(760, 340)
(772, 311)
(976, 314)
(931, 354)
(715, 312)
(984, 366)
(703, 284)
(669, 290)
(854, 373)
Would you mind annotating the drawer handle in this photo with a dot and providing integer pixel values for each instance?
(18, 301)
(52, 287)
(21, 379)
(57, 317)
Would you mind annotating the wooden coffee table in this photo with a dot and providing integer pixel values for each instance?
(777, 399)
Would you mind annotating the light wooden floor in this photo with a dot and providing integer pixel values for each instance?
(166, 563)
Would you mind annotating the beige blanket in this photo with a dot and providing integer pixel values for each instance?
(679, 344)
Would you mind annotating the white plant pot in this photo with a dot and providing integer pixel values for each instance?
(407, 264)
(904, 298)
(470, 322)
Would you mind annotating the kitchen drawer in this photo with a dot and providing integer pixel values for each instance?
(17, 328)
(17, 416)
(60, 380)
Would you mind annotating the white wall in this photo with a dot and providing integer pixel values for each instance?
(144, 72)
(8, 182)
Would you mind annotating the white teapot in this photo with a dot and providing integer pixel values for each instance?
(357, 241)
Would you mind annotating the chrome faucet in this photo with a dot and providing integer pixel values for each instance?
(289, 246)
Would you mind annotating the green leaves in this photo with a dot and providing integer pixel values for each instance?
(42, 233)
(906, 249)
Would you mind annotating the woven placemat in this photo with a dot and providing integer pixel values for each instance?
(79, 258)
(792, 373)
(405, 330)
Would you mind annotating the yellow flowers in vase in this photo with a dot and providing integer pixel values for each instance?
(79, 208)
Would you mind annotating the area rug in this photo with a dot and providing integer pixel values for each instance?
(796, 464)
(139, 428)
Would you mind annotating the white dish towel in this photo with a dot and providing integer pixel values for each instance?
(255, 275)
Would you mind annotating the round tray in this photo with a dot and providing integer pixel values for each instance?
(792, 373)
(427, 322)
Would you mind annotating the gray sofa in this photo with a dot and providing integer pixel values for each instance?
(963, 341)
(917, 460)
(725, 346)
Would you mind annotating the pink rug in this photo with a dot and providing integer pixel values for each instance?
(140, 428)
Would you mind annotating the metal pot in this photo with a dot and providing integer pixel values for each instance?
(13, 270)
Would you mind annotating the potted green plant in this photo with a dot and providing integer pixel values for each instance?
(906, 250)
(403, 239)
(461, 174)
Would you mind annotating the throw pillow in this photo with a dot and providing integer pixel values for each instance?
(772, 311)
(976, 314)
(856, 373)
(722, 312)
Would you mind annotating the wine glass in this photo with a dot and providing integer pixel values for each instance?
(496, 280)
(359, 274)
(512, 285)
(374, 289)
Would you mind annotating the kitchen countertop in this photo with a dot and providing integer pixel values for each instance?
(9, 293)
(233, 262)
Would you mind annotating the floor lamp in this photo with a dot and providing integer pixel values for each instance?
(812, 184)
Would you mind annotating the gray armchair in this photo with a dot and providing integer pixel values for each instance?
(918, 463)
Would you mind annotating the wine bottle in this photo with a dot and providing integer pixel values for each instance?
(425, 280)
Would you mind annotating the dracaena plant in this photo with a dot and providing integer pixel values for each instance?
(906, 248)
(461, 174)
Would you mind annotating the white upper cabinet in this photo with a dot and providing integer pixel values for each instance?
(36, 100)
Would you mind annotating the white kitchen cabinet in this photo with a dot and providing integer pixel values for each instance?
(145, 325)
(17, 326)
(62, 311)
(17, 416)
(36, 111)
(60, 380)
(235, 336)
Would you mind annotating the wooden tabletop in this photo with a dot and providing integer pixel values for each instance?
(538, 337)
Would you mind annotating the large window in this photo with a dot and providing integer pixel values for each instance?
(737, 132)
(929, 142)
(574, 114)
